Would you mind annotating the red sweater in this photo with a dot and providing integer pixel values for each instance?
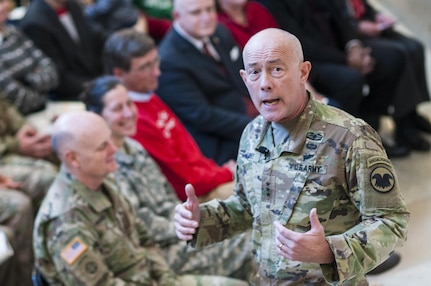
(165, 138)
(258, 17)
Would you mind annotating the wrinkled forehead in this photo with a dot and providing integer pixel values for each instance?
(261, 53)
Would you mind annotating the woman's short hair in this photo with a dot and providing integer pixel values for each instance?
(94, 91)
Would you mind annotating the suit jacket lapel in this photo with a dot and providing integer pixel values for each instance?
(228, 63)
(51, 20)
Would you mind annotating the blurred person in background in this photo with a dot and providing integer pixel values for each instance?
(60, 30)
(26, 73)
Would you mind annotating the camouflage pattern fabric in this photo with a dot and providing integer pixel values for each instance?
(85, 237)
(17, 208)
(10, 122)
(16, 220)
(36, 175)
(154, 200)
(332, 162)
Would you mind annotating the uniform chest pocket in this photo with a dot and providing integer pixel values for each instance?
(314, 195)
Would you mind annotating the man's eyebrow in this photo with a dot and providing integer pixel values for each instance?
(271, 61)
(252, 64)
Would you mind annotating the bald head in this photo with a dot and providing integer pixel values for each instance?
(274, 39)
(275, 74)
(73, 130)
(83, 143)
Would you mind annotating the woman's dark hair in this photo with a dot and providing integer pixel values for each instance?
(94, 91)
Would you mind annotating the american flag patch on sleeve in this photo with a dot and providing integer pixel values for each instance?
(73, 250)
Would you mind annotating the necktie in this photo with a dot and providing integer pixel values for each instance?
(206, 51)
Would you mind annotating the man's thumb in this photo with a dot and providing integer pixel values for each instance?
(192, 199)
(314, 219)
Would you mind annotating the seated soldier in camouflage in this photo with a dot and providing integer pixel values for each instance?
(153, 198)
(86, 231)
(25, 155)
(16, 222)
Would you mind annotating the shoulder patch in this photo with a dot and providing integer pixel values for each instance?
(382, 179)
(73, 250)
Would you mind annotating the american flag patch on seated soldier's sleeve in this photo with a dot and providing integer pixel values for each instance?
(73, 250)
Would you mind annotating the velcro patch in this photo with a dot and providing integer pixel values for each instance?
(73, 250)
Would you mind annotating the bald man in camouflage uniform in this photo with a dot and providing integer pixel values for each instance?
(313, 182)
(86, 232)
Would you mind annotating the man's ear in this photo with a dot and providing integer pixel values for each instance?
(243, 75)
(174, 15)
(305, 71)
(118, 72)
(71, 158)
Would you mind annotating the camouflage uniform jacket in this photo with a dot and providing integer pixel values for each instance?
(143, 183)
(10, 122)
(85, 237)
(332, 162)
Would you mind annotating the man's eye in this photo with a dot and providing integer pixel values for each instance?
(117, 108)
(277, 71)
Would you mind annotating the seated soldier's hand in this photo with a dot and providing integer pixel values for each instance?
(32, 143)
(8, 183)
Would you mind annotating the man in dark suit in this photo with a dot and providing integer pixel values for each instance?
(205, 91)
(60, 30)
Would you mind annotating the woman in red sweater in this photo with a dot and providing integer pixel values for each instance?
(244, 18)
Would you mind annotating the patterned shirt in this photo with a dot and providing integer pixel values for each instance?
(26, 74)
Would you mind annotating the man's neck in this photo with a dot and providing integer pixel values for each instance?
(90, 182)
(139, 96)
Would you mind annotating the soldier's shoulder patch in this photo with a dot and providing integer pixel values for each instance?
(382, 179)
(73, 250)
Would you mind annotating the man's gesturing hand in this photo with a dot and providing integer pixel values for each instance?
(187, 215)
(310, 246)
